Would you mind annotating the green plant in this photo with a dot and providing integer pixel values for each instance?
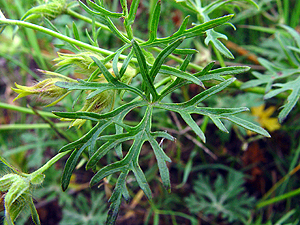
(225, 197)
(84, 212)
(115, 83)
(283, 75)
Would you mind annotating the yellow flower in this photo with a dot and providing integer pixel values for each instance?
(264, 117)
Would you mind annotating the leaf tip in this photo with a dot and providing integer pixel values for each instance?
(64, 186)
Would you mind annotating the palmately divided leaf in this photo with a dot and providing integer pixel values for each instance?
(116, 130)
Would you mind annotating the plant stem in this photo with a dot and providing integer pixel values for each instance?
(204, 123)
(59, 36)
(174, 213)
(50, 163)
(278, 198)
(219, 56)
(25, 110)
(257, 90)
(86, 19)
(31, 126)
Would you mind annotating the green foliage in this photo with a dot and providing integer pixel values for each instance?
(84, 212)
(108, 77)
(282, 76)
(203, 13)
(225, 197)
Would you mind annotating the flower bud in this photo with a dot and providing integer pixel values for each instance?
(15, 195)
(82, 61)
(7, 180)
(15, 190)
(45, 89)
(49, 10)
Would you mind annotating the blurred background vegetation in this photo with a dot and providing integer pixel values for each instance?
(235, 178)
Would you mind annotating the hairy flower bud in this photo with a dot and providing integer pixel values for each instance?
(45, 89)
(82, 61)
(15, 190)
(49, 10)
(7, 180)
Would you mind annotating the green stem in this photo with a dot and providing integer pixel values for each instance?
(31, 126)
(204, 123)
(126, 24)
(25, 110)
(50, 163)
(174, 213)
(219, 56)
(86, 19)
(278, 198)
(257, 90)
(58, 35)
(128, 31)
